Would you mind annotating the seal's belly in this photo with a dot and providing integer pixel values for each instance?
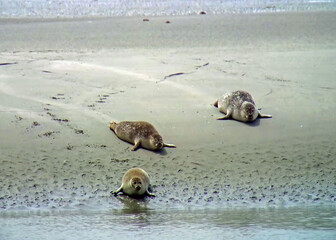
(236, 115)
(132, 192)
(223, 107)
(127, 136)
(146, 144)
(129, 190)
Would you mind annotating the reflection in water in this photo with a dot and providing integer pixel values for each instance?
(135, 219)
(132, 205)
(135, 210)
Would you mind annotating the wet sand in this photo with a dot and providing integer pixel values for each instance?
(62, 81)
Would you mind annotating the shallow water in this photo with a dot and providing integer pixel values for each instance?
(315, 222)
(64, 8)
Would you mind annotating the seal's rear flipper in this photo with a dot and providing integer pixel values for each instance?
(112, 125)
(224, 118)
(216, 103)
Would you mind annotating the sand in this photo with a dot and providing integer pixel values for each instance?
(62, 81)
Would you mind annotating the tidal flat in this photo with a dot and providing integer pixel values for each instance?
(63, 80)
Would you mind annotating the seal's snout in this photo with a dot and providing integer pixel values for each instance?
(250, 118)
(138, 188)
(160, 145)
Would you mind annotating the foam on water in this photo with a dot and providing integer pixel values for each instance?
(81, 8)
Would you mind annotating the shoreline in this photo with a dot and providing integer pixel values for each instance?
(156, 7)
(102, 17)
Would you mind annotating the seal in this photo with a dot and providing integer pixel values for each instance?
(135, 183)
(140, 134)
(238, 105)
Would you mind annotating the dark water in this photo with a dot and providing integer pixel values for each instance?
(136, 220)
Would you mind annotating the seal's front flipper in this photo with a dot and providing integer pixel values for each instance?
(136, 145)
(150, 194)
(169, 145)
(260, 115)
(115, 193)
(227, 116)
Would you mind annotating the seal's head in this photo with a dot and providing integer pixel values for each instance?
(248, 112)
(156, 141)
(136, 184)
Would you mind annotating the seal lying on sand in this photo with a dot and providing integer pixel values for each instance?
(135, 183)
(140, 134)
(240, 106)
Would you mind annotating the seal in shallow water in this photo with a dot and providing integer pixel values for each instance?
(239, 105)
(135, 183)
(140, 134)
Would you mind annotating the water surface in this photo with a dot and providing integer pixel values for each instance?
(64, 8)
(136, 220)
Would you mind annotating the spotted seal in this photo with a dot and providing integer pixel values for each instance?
(238, 105)
(135, 183)
(139, 133)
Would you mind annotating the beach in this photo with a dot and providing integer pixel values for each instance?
(63, 80)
